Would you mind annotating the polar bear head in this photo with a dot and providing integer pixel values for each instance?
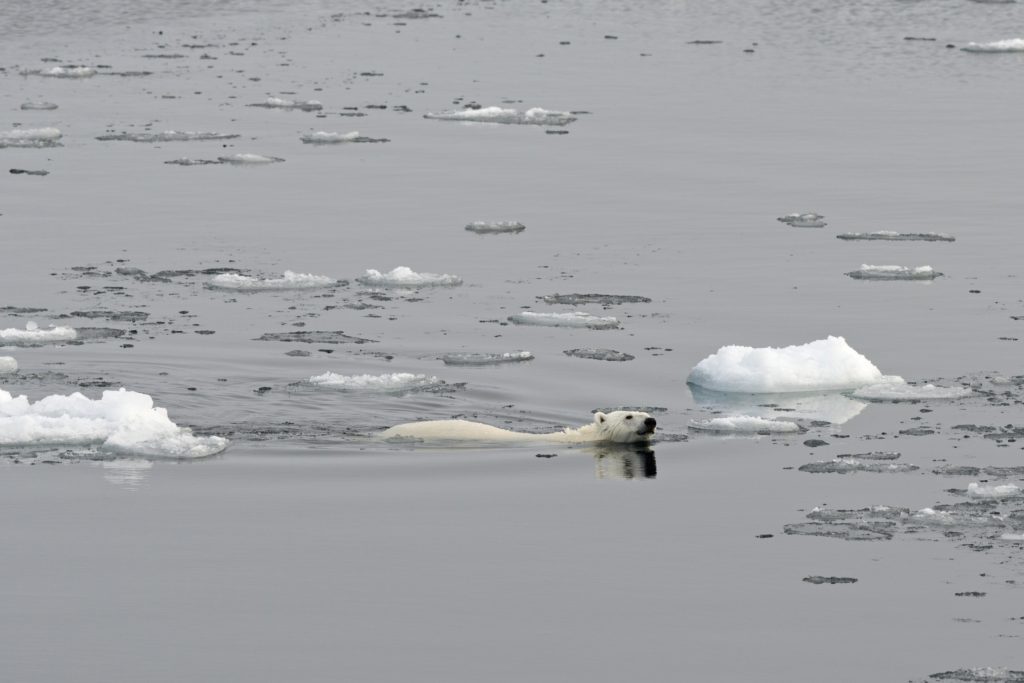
(623, 426)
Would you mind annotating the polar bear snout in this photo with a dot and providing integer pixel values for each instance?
(648, 428)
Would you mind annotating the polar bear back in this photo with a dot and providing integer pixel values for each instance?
(619, 426)
(454, 430)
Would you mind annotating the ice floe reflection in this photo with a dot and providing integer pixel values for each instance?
(832, 407)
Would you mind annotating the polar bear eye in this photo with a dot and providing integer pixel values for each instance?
(629, 417)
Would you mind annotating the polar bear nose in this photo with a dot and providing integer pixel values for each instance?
(650, 422)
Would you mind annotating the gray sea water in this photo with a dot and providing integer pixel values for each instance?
(308, 551)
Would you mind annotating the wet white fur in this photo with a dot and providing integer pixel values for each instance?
(618, 426)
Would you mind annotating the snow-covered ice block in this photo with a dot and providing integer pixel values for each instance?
(1008, 45)
(403, 276)
(290, 280)
(32, 335)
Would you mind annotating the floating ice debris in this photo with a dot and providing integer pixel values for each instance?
(895, 389)
(535, 116)
(24, 171)
(406, 277)
(249, 159)
(168, 136)
(872, 531)
(574, 319)
(8, 365)
(32, 335)
(818, 580)
(417, 13)
(847, 465)
(396, 382)
(1009, 45)
(984, 674)
(313, 337)
(485, 358)
(119, 422)
(867, 272)
(186, 161)
(495, 227)
(1012, 537)
(280, 103)
(289, 280)
(804, 220)
(30, 137)
(602, 299)
(976, 490)
(823, 365)
(599, 354)
(744, 424)
(63, 72)
(892, 236)
(38, 106)
(875, 455)
(122, 316)
(325, 138)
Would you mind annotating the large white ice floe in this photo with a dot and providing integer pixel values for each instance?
(8, 365)
(976, 490)
(744, 424)
(33, 335)
(290, 280)
(395, 382)
(868, 272)
(30, 137)
(535, 116)
(1008, 45)
(574, 319)
(823, 365)
(895, 389)
(403, 276)
(120, 422)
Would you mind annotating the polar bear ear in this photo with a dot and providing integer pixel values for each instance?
(600, 418)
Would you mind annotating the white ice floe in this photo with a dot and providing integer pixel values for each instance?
(289, 280)
(744, 424)
(249, 159)
(395, 382)
(1009, 45)
(121, 422)
(868, 272)
(65, 72)
(895, 389)
(32, 334)
(168, 136)
(574, 319)
(324, 138)
(403, 276)
(8, 365)
(976, 490)
(535, 116)
(282, 103)
(486, 358)
(30, 137)
(823, 365)
(38, 106)
(803, 220)
(495, 227)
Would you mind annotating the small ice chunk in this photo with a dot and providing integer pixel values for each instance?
(247, 159)
(599, 354)
(324, 138)
(8, 365)
(495, 227)
(403, 276)
(534, 116)
(1008, 45)
(30, 137)
(282, 103)
(803, 220)
(601, 299)
(168, 136)
(976, 490)
(32, 335)
(823, 365)
(65, 72)
(290, 280)
(486, 358)
(868, 272)
(744, 424)
(395, 382)
(895, 389)
(889, 235)
(1012, 537)
(574, 319)
(848, 465)
(122, 422)
(38, 106)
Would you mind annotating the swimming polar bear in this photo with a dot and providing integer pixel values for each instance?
(618, 426)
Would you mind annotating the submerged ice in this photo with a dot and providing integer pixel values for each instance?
(535, 116)
(120, 422)
(290, 280)
(823, 365)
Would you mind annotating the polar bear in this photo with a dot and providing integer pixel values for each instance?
(618, 426)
